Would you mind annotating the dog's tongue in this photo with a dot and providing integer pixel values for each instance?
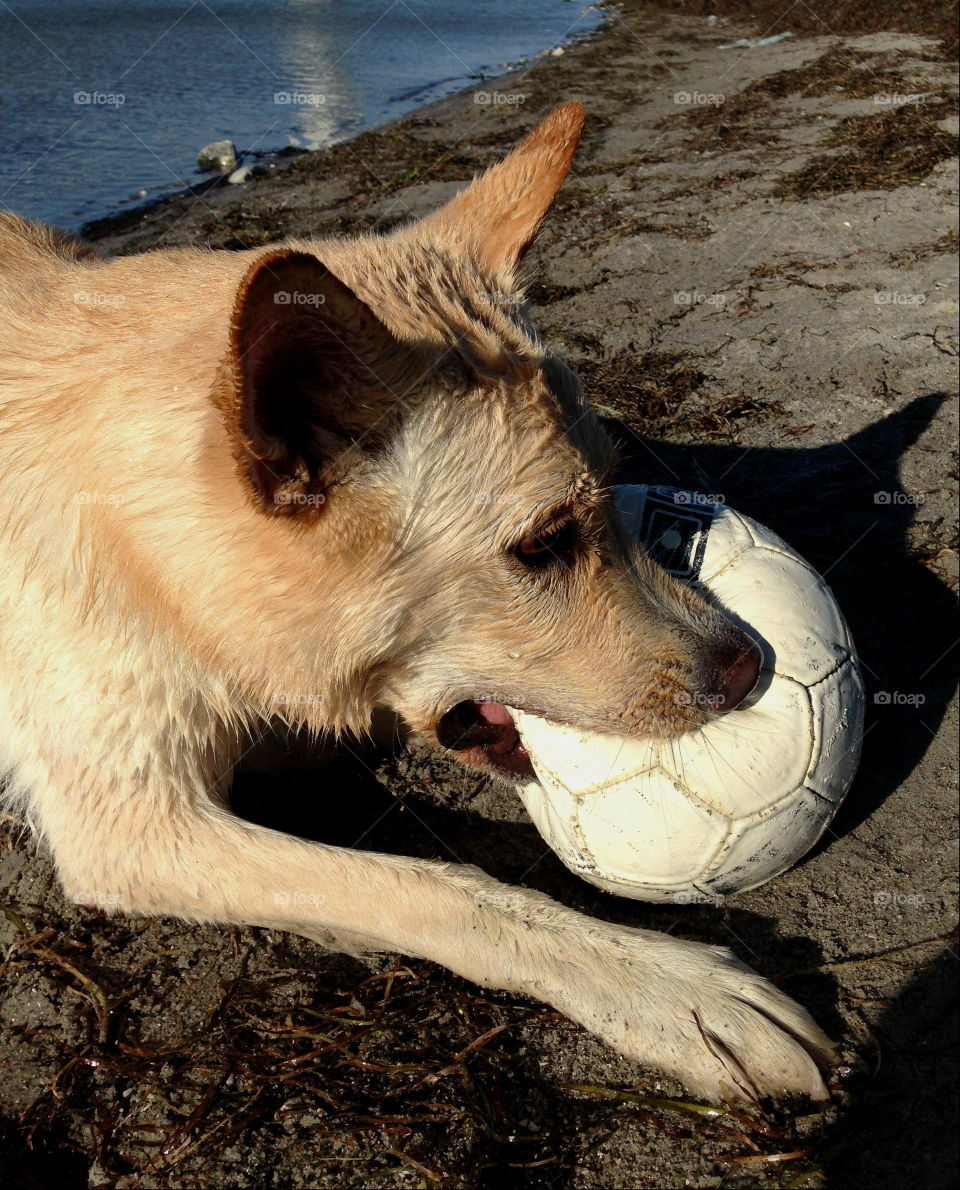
(497, 715)
(494, 712)
(480, 723)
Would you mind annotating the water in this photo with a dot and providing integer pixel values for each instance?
(106, 102)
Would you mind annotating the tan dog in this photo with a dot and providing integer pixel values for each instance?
(312, 480)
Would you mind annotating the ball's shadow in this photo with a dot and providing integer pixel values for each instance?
(842, 506)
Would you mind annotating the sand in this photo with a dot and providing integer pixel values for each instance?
(752, 267)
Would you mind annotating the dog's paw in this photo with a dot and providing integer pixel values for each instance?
(695, 1012)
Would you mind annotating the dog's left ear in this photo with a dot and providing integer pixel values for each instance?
(498, 215)
(309, 383)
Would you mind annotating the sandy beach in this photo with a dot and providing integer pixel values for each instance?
(753, 269)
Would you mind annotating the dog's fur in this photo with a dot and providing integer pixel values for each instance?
(311, 480)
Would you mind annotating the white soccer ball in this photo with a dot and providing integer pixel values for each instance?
(724, 808)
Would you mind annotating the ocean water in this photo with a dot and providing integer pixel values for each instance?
(104, 103)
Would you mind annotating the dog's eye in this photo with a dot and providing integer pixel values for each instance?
(556, 544)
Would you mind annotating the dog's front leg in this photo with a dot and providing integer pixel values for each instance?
(692, 1010)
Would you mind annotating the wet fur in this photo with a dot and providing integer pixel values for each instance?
(187, 552)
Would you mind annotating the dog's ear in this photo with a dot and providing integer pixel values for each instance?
(308, 386)
(498, 215)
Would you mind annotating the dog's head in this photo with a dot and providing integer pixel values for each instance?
(391, 408)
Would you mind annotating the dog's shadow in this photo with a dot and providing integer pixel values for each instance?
(905, 1109)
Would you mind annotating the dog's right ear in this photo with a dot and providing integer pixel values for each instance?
(496, 218)
(309, 384)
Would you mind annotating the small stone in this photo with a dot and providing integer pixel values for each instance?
(218, 158)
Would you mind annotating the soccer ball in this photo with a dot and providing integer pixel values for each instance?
(734, 803)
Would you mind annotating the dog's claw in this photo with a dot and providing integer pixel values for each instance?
(698, 1014)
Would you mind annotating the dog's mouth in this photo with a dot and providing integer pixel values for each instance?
(483, 733)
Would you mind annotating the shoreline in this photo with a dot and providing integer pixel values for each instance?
(276, 160)
(549, 72)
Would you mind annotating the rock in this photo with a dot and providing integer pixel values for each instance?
(218, 158)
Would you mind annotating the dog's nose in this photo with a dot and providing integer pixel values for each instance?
(735, 679)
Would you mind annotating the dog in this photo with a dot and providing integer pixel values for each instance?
(239, 486)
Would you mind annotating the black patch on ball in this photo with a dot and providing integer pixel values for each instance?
(673, 528)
